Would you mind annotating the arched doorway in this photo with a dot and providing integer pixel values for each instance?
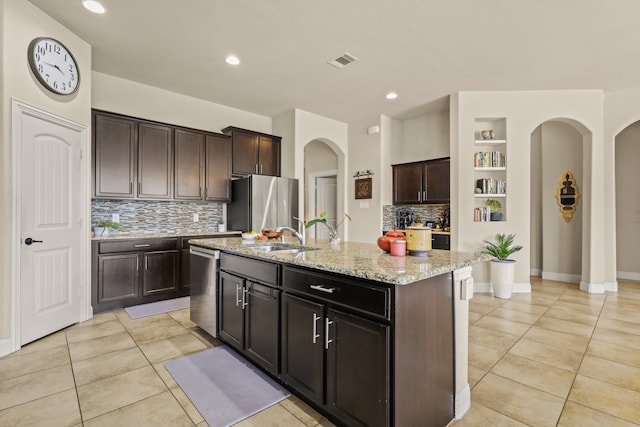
(627, 176)
(557, 244)
(321, 185)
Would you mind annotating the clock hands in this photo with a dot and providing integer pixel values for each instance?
(54, 66)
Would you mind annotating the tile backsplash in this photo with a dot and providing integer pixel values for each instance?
(422, 213)
(142, 216)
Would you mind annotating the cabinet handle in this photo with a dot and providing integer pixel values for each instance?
(260, 168)
(419, 198)
(244, 298)
(142, 246)
(137, 264)
(424, 195)
(146, 262)
(315, 327)
(327, 323)
(238, 301)
(256, 168)
(322, 288)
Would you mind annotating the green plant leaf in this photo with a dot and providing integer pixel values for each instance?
(502, 247)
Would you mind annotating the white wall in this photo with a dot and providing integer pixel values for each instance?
(536, 203)
(365, 153)
(122, 96)
(319, 157)
(21, 23)
(422, 138)
(628, 202)
(524, 112)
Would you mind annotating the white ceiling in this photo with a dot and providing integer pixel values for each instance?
(422, 49)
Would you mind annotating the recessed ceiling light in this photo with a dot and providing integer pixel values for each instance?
(392, 95)
(93, 6)
(232, 60)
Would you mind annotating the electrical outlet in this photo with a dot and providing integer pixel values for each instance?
(196, 218)
(115, 217)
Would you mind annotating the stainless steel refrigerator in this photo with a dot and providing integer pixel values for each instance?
(260, 201)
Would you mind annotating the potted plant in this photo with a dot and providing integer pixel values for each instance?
(104, 227)
(333, 231)
(221, 226)
(496, 209)
(502, 268)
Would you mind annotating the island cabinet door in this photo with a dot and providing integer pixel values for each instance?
(303, 346)
(231, 313)
(261, 323)
(357, 370)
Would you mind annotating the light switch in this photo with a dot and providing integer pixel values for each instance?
(115, 217)
(195, 217)
(364, 205)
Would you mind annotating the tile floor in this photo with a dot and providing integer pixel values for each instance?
(555, 357)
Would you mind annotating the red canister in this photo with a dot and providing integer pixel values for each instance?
(398, 247)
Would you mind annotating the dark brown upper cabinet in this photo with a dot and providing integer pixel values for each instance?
(189, 164)
(155, 161)
(422, 182)
(218, 168)
(254, 152)
(138, 159)
(115, 144)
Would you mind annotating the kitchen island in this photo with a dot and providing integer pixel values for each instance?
(366, 338)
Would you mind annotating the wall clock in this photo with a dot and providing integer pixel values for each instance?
(53, 65)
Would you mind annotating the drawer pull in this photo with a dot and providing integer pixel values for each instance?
(146, 245)
(316, 335)
(244, 298)
(322, 288)
(327, 341)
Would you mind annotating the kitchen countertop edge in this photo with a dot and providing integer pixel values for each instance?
(361, 260)
(122, 236)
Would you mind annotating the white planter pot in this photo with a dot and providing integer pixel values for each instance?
(222, 228)
(100, 231)
(502, 278)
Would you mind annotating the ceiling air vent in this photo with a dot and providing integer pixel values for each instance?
(343, 60)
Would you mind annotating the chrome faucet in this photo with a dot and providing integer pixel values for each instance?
(298, 233)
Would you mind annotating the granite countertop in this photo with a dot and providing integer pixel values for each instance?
(153, 235)
(433, 231)
(363, 260)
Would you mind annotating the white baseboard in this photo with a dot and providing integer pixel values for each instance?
(462, 403)
(628, 275)
(592, 288)
(485, 288)
(561, 277)
(5, 347)
(611, 286)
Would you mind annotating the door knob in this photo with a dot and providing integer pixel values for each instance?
(29, 241)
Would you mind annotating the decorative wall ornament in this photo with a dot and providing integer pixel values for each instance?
(567, 195)
(363, 188)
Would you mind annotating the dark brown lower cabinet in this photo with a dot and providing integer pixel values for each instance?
(160, 272)
(357, 375)
(303, 346)
(248, 316)
(118, 277)
(126, 272)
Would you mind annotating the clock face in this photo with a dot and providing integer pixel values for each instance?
(53, 65)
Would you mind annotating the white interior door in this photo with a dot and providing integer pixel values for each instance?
(51, 211)
(326, 201)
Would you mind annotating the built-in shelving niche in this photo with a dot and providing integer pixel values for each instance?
(490, 168)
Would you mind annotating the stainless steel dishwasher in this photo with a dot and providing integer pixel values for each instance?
(204, 267)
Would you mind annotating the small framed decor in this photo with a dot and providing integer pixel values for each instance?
(363, 188)
(567, 195)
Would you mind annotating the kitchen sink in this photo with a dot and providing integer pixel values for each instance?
(282, 248)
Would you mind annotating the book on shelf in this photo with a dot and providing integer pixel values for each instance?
(491, 186)
(489, 159)
(482, 214)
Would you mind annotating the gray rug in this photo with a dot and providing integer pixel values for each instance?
(152, 308)
(224, 387)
